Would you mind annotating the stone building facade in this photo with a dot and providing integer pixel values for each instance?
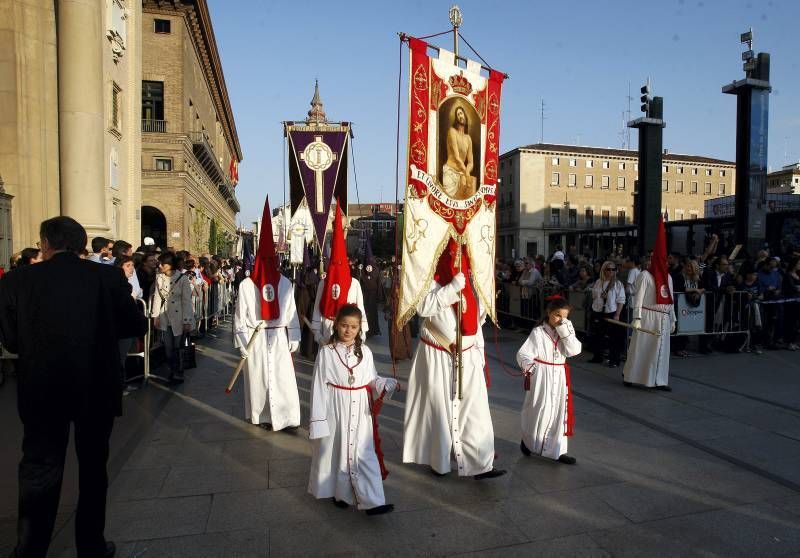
(189, 138)
(550, 192)
(69, 112)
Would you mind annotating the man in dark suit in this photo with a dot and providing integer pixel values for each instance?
(64, 317)
(717, 282)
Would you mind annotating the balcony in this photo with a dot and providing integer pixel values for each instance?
(204, 154)
(155, 126)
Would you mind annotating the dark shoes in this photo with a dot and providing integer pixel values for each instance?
(380, 510)
(663, 388)
(436, 473)
(567, 459)
(492, 474)
(524, 449)
(627, 384)
(340, 503)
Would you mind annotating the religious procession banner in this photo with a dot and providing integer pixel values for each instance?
(317, 171)
(452, 162)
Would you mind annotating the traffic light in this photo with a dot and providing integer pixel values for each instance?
(645, 99)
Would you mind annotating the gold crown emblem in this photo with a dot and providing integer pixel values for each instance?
(460, 84)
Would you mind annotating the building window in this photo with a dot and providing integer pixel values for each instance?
(605, 182)
(588, 218)
(679, 170)
(163, 164)
(693, 215)
(679, 214)
(555, 217)
(664, 168)
(573, 218)
(116, 94)
(721, 189)
(152, 103)
(665, 185)
(573, 162)
(605, 219)
(694, 188)
(620, 183)
(722, 173)
(621, 166)
(606, 164)
(679, 186)
(708, 172)
(573, 181)
(161, 25)
(589, 181)
(554, 161)
(621, 217)
(694, 171)
(708, 189)
(554, 180)
(589, 163)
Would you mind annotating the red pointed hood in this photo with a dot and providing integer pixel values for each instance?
(337, 278)
(446, 270)
(265, 269)
(658, 266)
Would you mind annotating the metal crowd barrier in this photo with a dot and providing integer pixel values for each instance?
(144, 354)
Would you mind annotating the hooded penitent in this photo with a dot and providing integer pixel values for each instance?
(265, 269)
(658, 266)
(337, 278)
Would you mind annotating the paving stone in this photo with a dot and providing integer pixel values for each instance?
(577, 546)
(546, 475)
(563, 513)
(223, 431)
(756, 448)
(188, 453)
(654, 500)
(157, 518)
(710, 428)
(635, 541)
(137, 484)
(233, 544)
(226, 477)
(288, 472)
(259, 508)
(749, 530)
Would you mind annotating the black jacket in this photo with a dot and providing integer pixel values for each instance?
(63, 317)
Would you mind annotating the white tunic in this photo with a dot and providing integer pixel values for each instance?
(648, 355)
(437, 423)
(344, 464)
(322, 327)
(544, 411)
(270, 394)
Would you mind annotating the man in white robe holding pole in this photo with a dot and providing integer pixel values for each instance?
(438, 423)
(266, 309)
(653, 310)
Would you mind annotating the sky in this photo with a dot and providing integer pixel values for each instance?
(579, 57)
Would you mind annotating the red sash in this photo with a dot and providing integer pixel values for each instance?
(375, 409)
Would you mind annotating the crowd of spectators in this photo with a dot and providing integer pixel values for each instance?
(759, 295)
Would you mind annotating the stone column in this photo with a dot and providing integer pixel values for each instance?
(81, 114)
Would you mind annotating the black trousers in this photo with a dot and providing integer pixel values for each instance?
(606, 335)
(41, 470)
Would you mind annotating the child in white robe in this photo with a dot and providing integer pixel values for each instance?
(547, 415)
(346, 462)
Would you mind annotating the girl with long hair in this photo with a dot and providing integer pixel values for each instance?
(346, 459)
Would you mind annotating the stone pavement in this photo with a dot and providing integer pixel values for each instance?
(712, 468)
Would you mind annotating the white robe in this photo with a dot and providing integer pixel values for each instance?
(544, 411)
(270, 394)
(648, 355)
(437, 423)
(322, 327)
(344, 464)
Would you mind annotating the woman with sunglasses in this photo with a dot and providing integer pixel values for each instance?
(608, 300)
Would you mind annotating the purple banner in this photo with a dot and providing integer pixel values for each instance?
(318, 155)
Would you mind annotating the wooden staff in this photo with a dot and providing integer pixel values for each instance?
(239, 366)
(458, 361)
(629, 326)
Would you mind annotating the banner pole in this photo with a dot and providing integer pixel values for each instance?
(459, 363)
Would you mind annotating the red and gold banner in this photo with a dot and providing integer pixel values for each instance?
(453, 150)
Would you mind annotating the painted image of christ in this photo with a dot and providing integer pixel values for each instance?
(458, 151)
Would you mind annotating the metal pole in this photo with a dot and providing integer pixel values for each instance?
(458, 361)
